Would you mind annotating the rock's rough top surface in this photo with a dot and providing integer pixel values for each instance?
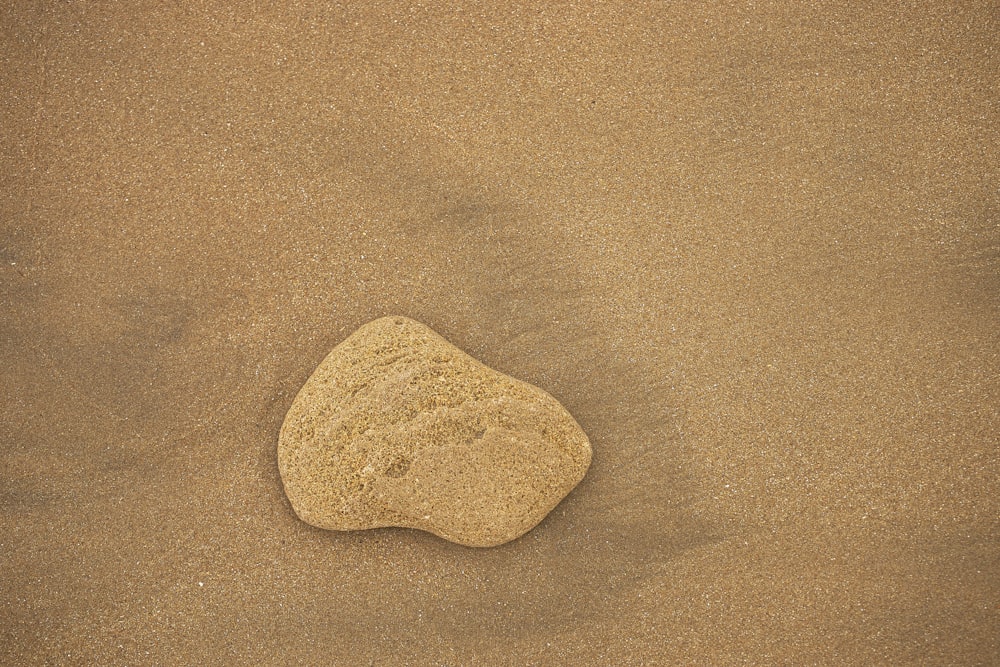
(398, 427)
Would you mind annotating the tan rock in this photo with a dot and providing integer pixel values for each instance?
(398, 427)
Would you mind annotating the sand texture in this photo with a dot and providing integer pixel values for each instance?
(753, 248)
(398, 427)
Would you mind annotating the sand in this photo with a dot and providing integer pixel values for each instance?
(751, 247)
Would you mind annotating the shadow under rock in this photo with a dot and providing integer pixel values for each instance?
(518, 309)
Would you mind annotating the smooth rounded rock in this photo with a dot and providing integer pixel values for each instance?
(398, 427)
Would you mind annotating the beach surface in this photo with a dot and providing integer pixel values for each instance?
(753, 249)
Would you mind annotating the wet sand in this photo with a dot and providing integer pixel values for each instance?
(752, 249)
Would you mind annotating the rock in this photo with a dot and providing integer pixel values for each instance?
(398, 427)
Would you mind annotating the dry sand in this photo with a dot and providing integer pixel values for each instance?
(752, 247)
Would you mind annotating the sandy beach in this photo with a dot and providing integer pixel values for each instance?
(752, 248)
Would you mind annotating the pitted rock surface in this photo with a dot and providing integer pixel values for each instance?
(398, 427)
